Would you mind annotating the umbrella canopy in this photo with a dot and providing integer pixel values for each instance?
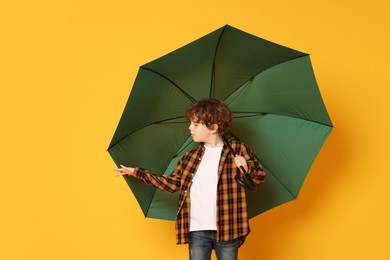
(277, 110)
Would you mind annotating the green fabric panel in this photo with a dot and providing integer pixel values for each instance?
(268, 195)
(152, 148)
(190, 66)
(241, 56)
(151, 101)
(288, 89)
(285, 146)
(164, 205)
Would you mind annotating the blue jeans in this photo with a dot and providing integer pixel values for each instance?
(203, 242)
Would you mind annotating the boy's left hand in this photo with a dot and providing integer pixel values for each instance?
(240, 161)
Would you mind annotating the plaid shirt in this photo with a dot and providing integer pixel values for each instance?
(232, 213)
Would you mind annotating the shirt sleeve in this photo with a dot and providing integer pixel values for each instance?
(168, 183)
(255, 169)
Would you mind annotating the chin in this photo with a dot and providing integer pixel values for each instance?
(195, 140)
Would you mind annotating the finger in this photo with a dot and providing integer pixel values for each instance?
(238, 160)
(119, 170)
(121, 173)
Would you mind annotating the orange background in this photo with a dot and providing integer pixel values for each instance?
(67, 68)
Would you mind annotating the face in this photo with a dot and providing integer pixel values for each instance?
(200, 132)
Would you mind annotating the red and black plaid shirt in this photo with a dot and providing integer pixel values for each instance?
(232, 212)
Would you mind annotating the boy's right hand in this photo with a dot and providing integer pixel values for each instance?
(240, 161)
(123, 170)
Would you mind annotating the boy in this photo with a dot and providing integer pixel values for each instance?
(212, 209)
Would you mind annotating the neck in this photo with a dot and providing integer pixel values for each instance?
(216, 141)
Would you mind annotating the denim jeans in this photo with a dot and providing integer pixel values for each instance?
(203, 242)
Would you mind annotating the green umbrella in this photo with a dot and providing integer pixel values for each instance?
(277, 110)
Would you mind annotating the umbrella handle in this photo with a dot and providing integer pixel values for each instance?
(246, 181)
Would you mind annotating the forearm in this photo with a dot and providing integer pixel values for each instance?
(161, 182)
(255, 169)
(256, 172)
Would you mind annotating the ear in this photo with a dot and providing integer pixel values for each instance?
(214, 128)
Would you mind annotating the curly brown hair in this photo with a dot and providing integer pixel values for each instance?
(209, 112)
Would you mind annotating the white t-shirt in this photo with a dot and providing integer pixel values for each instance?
(203, 192)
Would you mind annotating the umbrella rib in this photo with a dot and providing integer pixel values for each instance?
(172, 82)
(253, 114)
(154, 192)
(164, 121)
(183, 148)
(212, 83)
(255, 75)
(150, 203)
(249, 114)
